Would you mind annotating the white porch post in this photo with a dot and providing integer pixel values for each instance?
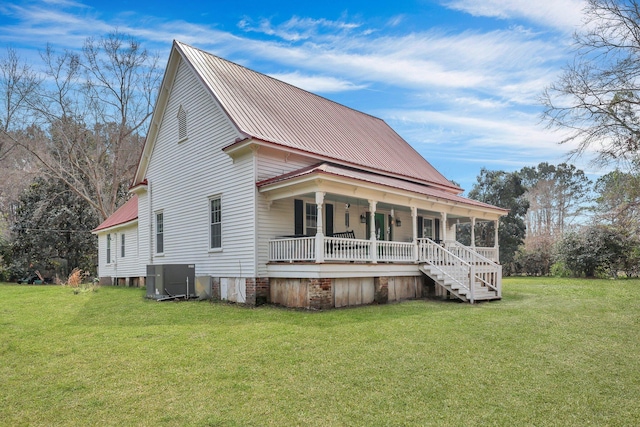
(443, 225)
(319, 230)
(372, 230)
(495, 241)
(414, 223)
(473, 232)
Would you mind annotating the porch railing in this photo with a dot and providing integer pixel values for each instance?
(395, 252)
(491, 253)
(341, 249)
(293, 249)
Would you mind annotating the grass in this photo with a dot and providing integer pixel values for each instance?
(557, 352)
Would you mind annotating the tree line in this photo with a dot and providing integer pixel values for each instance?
(72, 129)
(562, 223)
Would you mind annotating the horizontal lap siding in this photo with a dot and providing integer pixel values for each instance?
(278, 219)
(143, 231)
(183, 176)
(105, 270)
(129, 266)
(272, 163)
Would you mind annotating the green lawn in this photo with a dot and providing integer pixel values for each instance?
(552, 352)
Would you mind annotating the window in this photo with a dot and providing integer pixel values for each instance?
(215, 223)
(159, 233)
(427, 225)
(122, 246)
(182, 124)
(311, 219)
(108, 248)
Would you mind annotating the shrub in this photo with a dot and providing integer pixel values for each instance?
(599, 251)
(559, 269)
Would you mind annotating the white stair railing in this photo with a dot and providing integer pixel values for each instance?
(488, 273)
(454, 269)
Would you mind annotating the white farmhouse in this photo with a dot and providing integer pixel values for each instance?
(274, 194)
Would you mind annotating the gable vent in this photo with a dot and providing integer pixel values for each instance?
(182, 124)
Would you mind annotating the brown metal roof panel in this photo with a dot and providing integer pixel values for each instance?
(275, 111)
(125, 213)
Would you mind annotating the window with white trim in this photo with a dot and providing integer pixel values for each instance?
(109, 248)
(215, 223)
(427, 228)
(311, 218)
(182, 124)
(122, 245)
(159, 232)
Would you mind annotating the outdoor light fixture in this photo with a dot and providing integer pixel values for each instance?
(363, 218)
(398, 222)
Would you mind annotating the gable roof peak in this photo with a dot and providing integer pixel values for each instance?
(274, 112)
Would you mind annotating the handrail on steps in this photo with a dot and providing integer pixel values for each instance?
(457, 262)
(483, 259)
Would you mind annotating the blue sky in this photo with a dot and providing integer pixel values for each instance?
(458, 79)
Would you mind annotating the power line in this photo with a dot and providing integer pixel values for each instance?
(27, 229)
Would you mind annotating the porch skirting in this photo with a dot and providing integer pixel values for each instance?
(325, 293)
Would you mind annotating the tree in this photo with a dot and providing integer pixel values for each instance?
(557, 196)
(17, 87)
(18, 84)
(93, 113)
(597, 98)
(53, 223)
(618, 200)
(504, 189)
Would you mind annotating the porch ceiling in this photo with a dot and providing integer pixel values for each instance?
(341, 181)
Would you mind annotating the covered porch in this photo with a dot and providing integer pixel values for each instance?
(342, 220)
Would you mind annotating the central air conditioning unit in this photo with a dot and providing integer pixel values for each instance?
(168, 281)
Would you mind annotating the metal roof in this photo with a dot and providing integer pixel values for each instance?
(387, 181)
(125, 213)
(273, 111)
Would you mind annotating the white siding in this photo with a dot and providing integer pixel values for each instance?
(104, 269)
(130, 265)
(271, 163)
(184, 175)
(278, 219)
(144, 244)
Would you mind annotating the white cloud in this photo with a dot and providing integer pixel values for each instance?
(296, 28)
(321, 84)
(562, 14)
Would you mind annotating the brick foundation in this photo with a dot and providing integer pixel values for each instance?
(320, 295)
(381, 295)
(215, 288)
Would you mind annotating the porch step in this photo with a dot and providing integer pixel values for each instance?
(480, 291)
